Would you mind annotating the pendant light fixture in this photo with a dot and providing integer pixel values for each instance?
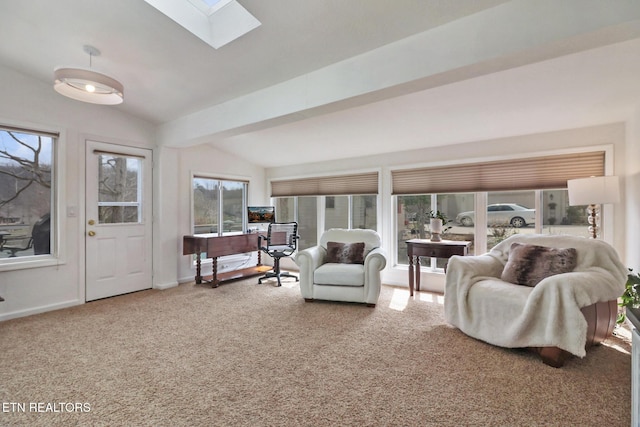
(88, 86)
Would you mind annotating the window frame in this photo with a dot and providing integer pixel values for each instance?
(245, 200)
(58, 195)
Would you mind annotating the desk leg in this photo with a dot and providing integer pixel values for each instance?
(198, 269)
(214, 279)
(411, 275)
(418, 274)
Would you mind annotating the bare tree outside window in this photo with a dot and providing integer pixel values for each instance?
(25, 193)
(119, 189)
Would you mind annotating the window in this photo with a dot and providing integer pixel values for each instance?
(560, 218)
(338, 212)
(524, 195)
(119, 189)
(219, 206)
(335, 201)
(412, 220)
(26, 193)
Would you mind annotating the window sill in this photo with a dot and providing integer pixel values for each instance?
(10, 264)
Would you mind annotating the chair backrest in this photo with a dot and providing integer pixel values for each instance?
(370, 238)
(591, 252)
(282, 237)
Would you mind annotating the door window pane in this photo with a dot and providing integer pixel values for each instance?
(119, 189)
(26, 162)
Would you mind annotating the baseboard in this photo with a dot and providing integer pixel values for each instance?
(163, 286)
(38, 310)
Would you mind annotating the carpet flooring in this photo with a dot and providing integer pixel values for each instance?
(258, 355)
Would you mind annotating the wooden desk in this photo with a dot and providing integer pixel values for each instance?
(426, 248)
(216, 246)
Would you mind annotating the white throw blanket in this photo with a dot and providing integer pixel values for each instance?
(483, 306)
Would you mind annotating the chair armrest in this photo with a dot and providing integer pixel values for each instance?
(374, 263)
(376, 260)
(462, 273)
(480, 265)
(308, 260)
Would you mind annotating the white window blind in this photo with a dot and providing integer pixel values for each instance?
(535, 173)
(363, 183)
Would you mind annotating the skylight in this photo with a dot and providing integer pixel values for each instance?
(208, 7)
(216, 22)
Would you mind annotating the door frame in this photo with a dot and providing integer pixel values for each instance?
(117, 147)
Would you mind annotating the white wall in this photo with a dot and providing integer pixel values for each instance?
(632, 191)
(612, 135)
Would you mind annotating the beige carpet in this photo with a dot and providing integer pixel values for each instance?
(256, 355)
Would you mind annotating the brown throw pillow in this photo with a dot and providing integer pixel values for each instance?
(529, 264)
(345, 253)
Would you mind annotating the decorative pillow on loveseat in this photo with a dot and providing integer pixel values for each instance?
(345, 253)
(529, 264)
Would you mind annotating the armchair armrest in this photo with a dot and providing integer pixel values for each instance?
(474, 266)
(308, 260)
(462, 273)
(374, 263)
(376, 260)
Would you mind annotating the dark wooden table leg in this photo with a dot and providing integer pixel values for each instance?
(418, 274)
(214, 279)
(198, 269)
(410, 275)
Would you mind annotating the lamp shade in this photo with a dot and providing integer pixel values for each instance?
(88, 86)
(593, 191)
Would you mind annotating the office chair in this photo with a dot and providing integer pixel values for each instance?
(281, 241)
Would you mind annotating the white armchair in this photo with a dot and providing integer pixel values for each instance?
(554, 294)
(343, 281)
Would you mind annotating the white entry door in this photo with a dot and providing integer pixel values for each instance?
(118, 220)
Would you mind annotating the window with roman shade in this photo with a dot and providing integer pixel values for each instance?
(362, 183)
(514, 174)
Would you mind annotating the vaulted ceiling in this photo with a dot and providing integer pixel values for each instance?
(327, 79)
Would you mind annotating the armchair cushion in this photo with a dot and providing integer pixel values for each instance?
(339, 274)
(529, 264)
(345, 253)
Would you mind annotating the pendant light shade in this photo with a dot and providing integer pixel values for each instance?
(88, 86)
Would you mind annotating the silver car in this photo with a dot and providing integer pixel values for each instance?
(501, 214)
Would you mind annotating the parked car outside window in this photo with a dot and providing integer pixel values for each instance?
(511, 214)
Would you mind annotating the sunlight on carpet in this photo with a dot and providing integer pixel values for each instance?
(400, 298)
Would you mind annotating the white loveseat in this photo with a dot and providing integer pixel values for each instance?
(340, 281)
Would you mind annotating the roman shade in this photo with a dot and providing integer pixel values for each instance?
(363, 183)
(29, 131)
(536, 173)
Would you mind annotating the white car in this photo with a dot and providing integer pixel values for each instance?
(501, 214)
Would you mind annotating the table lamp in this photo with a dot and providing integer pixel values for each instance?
(594, 191)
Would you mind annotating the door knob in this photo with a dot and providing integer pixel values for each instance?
(92, 233)
(91, 222)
